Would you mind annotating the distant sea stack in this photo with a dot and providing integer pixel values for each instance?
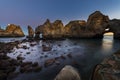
(30, 32)
(95, 27)
(12, 30)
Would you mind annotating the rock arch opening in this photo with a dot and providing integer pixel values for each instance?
(108, 35)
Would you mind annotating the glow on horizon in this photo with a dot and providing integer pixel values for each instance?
(35, 12)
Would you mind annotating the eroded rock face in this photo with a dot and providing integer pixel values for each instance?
(30, 32)
(97, 22)
(74, 29)
(95, 27)
(50, 30)
(12, 31)
(109, 69)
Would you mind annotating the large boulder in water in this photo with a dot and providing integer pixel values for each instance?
(109, 69)
(30, 32)
(68, 73)
(12, 30)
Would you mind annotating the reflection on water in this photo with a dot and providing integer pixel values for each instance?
(85, 53)
(11, 39)
(107, 43)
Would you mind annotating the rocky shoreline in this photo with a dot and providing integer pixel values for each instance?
(110, 66)
(8, 66)
(95, 27)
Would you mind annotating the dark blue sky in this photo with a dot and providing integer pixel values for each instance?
(35, 12)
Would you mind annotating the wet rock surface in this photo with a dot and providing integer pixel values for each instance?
(22, 63)
(109, 69)
(9, 66)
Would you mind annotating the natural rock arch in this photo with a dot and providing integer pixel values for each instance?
(95, 27)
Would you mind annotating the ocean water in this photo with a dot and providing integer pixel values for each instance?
(87, 53)
(11, 39)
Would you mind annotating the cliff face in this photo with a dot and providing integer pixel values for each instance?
(12, 31)
(95, 27)
(75, 28)
(97, 22)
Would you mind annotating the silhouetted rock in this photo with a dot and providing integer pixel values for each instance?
(109, 69)
(30, 32)
(114, 26)
(12, 31)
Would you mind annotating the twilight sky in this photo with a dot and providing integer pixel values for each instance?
(35, 12)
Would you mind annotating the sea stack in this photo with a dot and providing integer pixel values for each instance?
(12, 30)
(30, 32)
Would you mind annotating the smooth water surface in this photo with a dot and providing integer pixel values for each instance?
(86, 54)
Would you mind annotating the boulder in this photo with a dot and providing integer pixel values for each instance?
(109, 69)
(68, 73)
(30, 32)
(49, 62)
(46, 48)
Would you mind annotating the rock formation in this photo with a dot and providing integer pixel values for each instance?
(97, 23)
(30, 32)
(95, 27)
(109, 69)
(75, 28)
(12, 31)
(114, 26)
(68, 73)
(50, 30)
